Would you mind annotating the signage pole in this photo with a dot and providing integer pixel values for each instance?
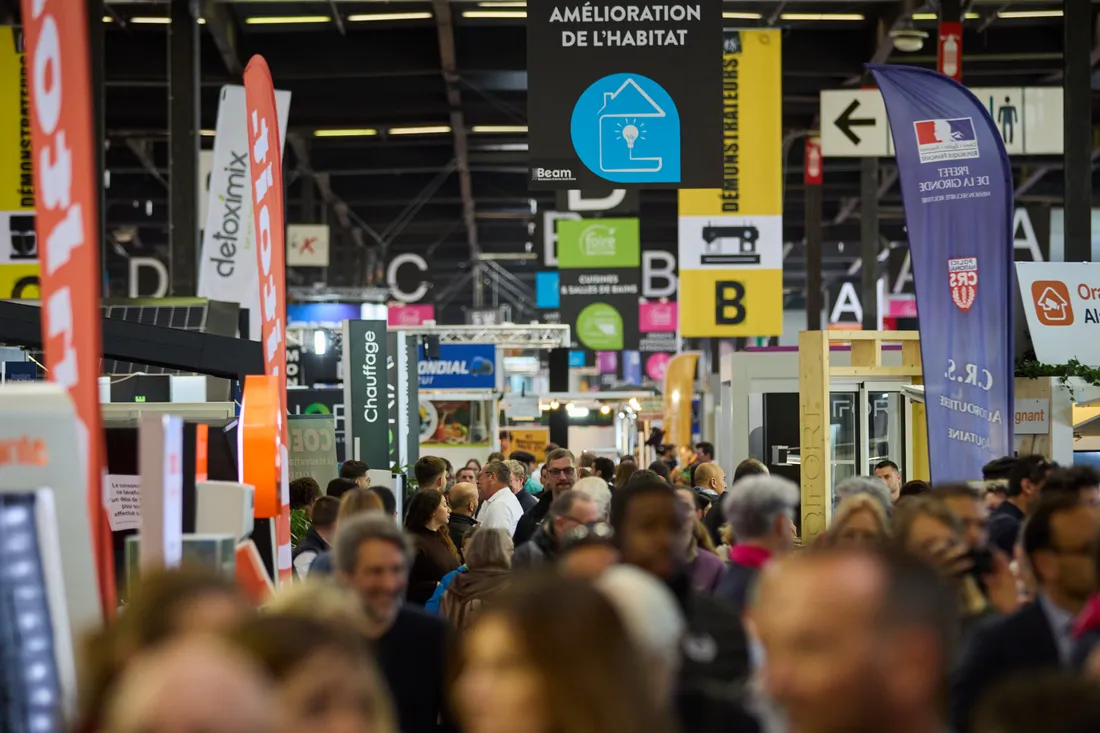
(1077, 153)
(868, 238)
(812, 178)
(950, 40)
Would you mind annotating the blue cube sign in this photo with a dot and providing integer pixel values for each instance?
(460, 366)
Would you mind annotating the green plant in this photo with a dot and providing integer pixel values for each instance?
(411, 484)
(1031, 368)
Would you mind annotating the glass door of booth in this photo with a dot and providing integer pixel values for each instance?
(887, 426)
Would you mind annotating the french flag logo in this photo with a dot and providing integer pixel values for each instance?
(946, 139)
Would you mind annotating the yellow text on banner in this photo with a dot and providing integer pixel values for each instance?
(731, 303)
(752, 95)
(16, 181)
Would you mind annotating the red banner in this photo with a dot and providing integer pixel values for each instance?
(949, 58)
(812, 169)
(66, 202)
(267, 208)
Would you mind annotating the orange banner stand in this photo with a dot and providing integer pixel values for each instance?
(260, 442)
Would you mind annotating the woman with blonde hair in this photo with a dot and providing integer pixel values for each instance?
(859, 522)
(324, 679)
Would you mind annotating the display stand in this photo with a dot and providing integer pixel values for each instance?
(816, 373)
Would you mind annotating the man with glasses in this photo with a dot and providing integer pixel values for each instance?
(560, 475)
(1060, 539)
(568, 510)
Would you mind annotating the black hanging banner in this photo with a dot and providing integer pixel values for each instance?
(623, 92)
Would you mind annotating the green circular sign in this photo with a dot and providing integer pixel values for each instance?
(600, 328)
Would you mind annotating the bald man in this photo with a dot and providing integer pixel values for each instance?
(710, 481)
(855, 642)
(463, 499)
(195, 684)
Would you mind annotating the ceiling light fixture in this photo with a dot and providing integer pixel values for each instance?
(108, 19)
(379, 17)
(361, 132)
(740, 16)
(207, 133)
(142, 20)
(1018, 14)
(286, 19)
(498, 4)
(427, 130)
(822, 16)
(933, 16)
(494, 13)
(491, 129)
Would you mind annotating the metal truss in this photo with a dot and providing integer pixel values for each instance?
(532, 336)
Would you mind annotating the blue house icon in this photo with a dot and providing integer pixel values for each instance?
(626, 128)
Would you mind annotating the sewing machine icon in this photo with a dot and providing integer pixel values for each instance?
(742, 240)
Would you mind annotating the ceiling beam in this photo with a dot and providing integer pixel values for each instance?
(224, 33)
(449, 64)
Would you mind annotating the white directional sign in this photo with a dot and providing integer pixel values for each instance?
(854, 124)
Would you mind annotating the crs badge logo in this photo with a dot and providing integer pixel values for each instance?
(963, 273)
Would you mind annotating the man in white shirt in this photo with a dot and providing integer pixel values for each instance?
(500, 509)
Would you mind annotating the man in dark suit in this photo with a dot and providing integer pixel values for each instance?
(1025, 484)
(1060, 540)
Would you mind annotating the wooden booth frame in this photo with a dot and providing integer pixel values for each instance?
(814, 376)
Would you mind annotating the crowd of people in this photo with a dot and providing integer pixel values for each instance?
(574, 595)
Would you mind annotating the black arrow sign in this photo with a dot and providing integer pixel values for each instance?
(845, 122)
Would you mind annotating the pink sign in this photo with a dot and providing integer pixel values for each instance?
(656, 365)
(607, 361)
(657, 317)
(410, 315)
(901, 307)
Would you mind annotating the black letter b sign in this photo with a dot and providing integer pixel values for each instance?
(729, 310)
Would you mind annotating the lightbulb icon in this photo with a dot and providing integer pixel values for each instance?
(630, 134)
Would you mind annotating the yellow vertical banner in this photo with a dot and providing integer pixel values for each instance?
(679, 387)
(731, 239)
(18, 243)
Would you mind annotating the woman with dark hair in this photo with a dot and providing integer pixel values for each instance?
(324, 679)
(436, 555)
(535, 660)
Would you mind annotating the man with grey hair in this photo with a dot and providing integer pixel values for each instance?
(760, 510)
(870, 485)
(570, 509)
(372, 558)
(500, 509)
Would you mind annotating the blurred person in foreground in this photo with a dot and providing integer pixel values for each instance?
(1050, 703)
(325, 681)
(856, 642)
(1086, 632)
(760, 510)
(489, 572)
(560, 475)
(568, 510)
(553, 656)
(588, 550)
(194, 684)
(372, 558)
(353, 503)
(870, 485)
(706, 569)
(625, 470)
(163, 606)
(1060, 541)
(1081, 481)
(859, 523)
(648, 519)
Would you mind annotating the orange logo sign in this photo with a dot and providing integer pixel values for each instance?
(1052, 303)
(23, 451)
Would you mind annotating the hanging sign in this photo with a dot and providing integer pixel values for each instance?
(956, 183)
(624, 92)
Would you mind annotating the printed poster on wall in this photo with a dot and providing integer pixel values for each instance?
(598, 261)
(956, 182)
(459, 366)
(624, 92)
(731, 238)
